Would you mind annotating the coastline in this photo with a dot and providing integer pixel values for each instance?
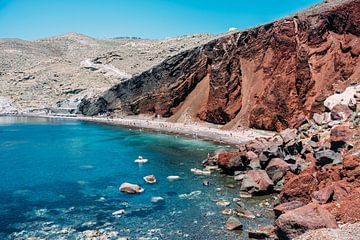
(203, 131)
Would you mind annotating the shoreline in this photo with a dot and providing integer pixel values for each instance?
(209, 132)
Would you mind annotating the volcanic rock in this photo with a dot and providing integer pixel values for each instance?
(233, 223)
(256, 182)
(295, 222)
(130, 188)
(288, 206)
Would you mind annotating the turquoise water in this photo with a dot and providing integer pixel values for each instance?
(60, 179)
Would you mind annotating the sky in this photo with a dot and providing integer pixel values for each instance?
(32, 19)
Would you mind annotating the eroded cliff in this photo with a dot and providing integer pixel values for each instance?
(266, 77)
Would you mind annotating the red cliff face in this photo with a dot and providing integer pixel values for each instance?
(266, 77)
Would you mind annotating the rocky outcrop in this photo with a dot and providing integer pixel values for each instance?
(265, 77)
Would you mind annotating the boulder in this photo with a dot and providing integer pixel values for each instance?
(233, 223)
(295, 222)
(130, 188)
(300, 187)
(333, 192)
(276, 169)
(327, 157)
(230, 161)
(256, 182)
(288, 206)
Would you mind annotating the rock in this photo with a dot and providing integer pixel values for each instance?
(233, 224)
(173, 178)
(341, 112)
(346, 210)
(339, 135)
(230, 162)
(245, 194)
(333, 192)
(205, 183)
(343, 98)
(119, 212)
(157, 199)
(150, 179)
(276, 169)
(227, 211)
(322, 118)
(130, 188)
(288, 134)
(223, 203)
(295, 222)
(264, 232)
(239, 177)
(253, 159)
(200, 172)
(327, 157)
(288, 206)
(256, 182)
(242, 212)
(300, 187)
(140, 160)
(345, 232)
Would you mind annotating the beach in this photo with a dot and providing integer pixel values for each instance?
(204, 131)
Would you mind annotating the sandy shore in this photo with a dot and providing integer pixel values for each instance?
(196, 130)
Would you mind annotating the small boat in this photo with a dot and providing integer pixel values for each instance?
(140, 159)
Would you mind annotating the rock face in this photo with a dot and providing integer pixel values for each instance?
(312, 216)
(265, 77)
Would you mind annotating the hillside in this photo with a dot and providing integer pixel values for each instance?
(266, 77)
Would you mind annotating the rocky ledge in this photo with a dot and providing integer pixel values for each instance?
(314, 167)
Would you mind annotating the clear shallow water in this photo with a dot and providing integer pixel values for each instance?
(60, 179)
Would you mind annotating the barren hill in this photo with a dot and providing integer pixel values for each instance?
(60, 71)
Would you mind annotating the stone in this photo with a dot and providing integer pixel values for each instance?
(339, 135)
(200, 172)
(311, 216)
(223, 203)
(256, 182)
(276, 169)
(288, 134)
(119, 212)
(341, 113)
(171, 178)
(230, 161)
(265, 232)
(239, 177)
(130, 188)
(300, 187)
(233, 223)
(327, 157)
(346, 210)
(288, 206)
(227, 211)
(242, 212)
(205, 183)
(333, 192)
(150, 179)
(157, 199)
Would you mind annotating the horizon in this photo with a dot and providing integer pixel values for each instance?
(30, 20)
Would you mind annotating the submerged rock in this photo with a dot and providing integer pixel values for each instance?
(130, 188)
(173, 178)
(119, 212)
(200, 172)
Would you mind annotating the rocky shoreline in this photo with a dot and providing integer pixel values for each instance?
(314, 167)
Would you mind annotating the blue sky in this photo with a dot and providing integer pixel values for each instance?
(30, 19)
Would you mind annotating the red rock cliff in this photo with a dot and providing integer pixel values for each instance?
(265, 77)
